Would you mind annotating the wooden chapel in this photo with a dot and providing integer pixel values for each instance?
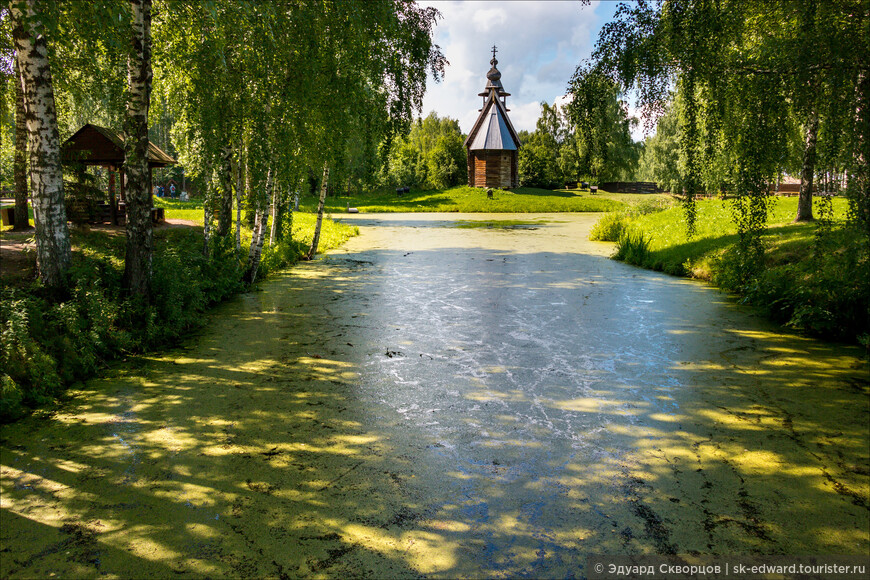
(492, 143)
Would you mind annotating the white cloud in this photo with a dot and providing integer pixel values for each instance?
(524, 117)
(539, 46)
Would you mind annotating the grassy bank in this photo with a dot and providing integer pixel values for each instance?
(46, 344)
(471, 200)
(815, 280)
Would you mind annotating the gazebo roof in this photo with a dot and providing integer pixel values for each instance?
(94, 145)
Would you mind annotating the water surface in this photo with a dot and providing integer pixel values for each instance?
(454, 402)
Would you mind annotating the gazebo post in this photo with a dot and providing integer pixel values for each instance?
(150, 188)
(122, 177)
(113, 204)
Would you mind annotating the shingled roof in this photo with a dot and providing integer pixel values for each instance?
(493, 129)
(95, 145)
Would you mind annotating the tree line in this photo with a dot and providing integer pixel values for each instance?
(572, 143)
(259, 95)
(742, 92)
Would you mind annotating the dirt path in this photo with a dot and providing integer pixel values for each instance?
(18, 249)
(454, 402)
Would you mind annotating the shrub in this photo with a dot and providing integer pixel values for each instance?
(29, 376)
(826, 294)
(610, 227)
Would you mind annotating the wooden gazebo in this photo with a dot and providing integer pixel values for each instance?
(492, 144)
(94, 145)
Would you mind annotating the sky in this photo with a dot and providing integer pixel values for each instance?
(540, 43)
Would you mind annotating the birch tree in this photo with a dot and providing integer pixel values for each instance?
(19, 168)
(743, 72)
(137, 262)
(46, 178)
(316, 77)
(324, 182)
(259, 233)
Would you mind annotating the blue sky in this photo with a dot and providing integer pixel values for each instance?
(540, 43)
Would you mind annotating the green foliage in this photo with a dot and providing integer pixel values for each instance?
(827, 294)
(660, 155)
(604, 147)
(538, 162)
(24, 360)
(570, 145)
(747, 77)
(359, 70)
(609, 228)
(431, 156)
(82, 196)
(544, 156)
(46, 345)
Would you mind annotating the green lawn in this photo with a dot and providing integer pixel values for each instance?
(811, 279)
(630, 199)
(332, 234)
(471, 200)
(673, 253)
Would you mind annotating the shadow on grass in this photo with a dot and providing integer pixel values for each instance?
(545, 192)
(786, 240)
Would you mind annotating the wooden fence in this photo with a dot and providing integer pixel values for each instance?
(630, 187)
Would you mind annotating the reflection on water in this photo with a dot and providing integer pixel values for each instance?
(455, 402)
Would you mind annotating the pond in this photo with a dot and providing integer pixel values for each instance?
(438, 399)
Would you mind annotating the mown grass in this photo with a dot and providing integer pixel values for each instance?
(332, 234)
(812, 279)
(470, 200)
(670, 251)
(630, 199)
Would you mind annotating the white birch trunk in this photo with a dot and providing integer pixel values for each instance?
(262, 216)
(137, 262)
(239, 182)
(323, 185)
(46, 177)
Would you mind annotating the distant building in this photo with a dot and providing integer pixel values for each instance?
(492, 143)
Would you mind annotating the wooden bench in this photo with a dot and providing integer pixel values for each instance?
(7, 216)
(158, 214)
